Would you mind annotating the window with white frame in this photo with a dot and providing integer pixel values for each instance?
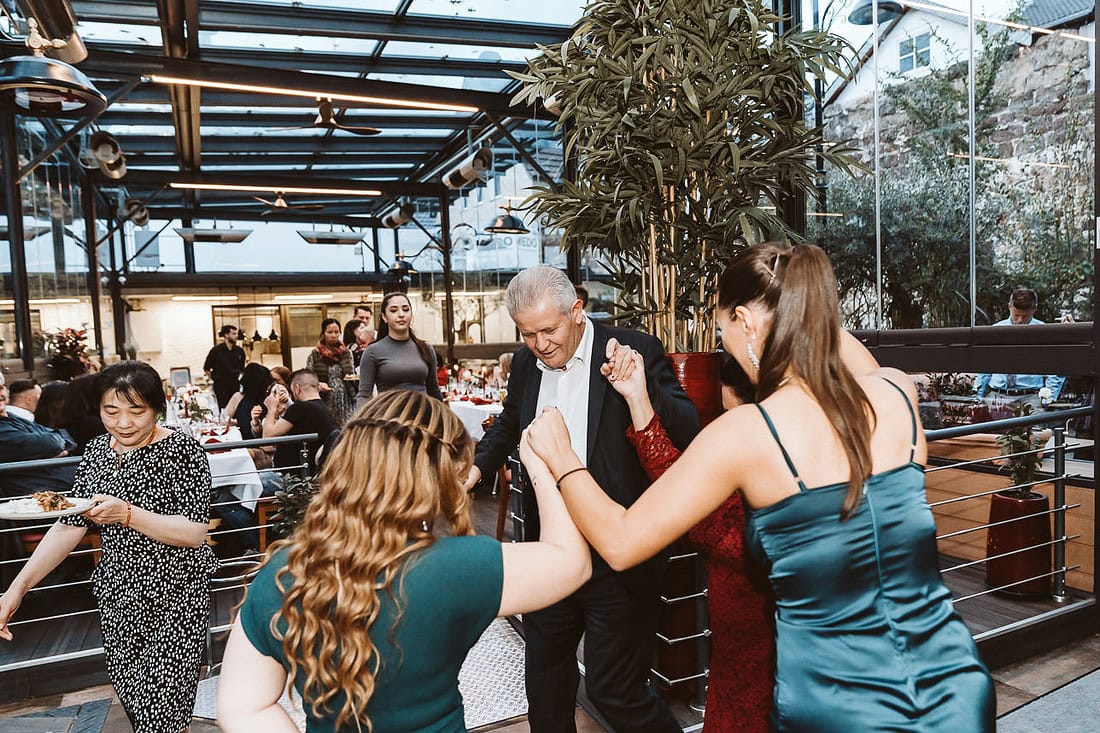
(915, 52)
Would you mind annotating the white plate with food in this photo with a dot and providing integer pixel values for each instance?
(43, 505)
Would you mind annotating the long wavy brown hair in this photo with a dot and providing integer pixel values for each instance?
(400, 463)
(797, 286)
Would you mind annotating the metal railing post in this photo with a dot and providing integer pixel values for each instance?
(702, 644)
(1058, 591)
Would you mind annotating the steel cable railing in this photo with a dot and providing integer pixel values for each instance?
(218, 586)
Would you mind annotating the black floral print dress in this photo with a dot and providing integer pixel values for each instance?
(154, 599)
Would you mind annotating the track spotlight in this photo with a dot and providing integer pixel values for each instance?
(469, 170)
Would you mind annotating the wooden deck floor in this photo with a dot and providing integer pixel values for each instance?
(45, 639)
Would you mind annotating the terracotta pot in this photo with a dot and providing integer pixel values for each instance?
(699, 374)
(1032, 529)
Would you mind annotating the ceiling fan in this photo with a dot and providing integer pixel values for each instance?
(280, 204)
(326, 119)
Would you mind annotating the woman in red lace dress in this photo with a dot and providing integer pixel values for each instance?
(742, 659)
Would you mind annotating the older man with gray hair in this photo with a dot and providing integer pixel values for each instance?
(559, 366)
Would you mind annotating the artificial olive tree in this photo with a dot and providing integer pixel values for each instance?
(685, 118)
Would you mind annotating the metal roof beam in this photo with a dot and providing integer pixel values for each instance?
(136, 160)
(131, 64)
(289, 180)
(265, 17)
(168, 213)
(341, 62)
(286, 143)
(260, 120)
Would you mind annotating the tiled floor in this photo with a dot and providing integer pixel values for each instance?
(1017, 684)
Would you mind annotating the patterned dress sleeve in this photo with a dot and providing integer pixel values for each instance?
(193, 481)
(655, 449)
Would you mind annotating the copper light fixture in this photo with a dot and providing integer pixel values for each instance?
(507, 223)
(46, 87)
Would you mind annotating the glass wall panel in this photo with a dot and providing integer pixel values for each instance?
(957, 234)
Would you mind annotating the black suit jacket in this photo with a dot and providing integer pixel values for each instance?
(611, 458)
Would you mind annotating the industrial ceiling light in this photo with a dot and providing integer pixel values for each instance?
(274, 189)
(44, 87)
(225, 236)
(403, 214)
(469, 170)
(863, 13)
(507, 223)
(332, 96)
(104, 147)
(316, 236)
(401, 267)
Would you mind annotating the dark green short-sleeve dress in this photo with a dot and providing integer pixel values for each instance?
(452, 591)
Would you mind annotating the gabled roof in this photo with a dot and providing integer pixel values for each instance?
(1056, 13)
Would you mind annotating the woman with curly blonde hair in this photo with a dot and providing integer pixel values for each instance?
(363, 610)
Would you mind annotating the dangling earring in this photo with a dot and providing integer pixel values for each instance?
(753, 358)
(425, 526)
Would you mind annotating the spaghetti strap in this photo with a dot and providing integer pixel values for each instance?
(912, 417)
(786, 457)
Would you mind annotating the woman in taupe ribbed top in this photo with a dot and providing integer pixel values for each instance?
(397, 359)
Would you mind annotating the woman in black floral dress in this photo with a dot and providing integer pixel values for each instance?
(151, 486)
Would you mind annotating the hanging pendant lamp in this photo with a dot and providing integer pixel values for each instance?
(45, 87)
(863, 13)
(507, 223)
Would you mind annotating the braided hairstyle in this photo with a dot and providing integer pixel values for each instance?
(400, 463)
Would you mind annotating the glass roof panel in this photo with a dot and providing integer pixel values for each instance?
(285, 42)
(456, 51)
(383, 5)
(139, 35)
(560, 12)
(449, 82)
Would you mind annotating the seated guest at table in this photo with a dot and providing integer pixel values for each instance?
(247, 406)
(397, 359)
(151, 488)
(364, 608)
(50, 410)
(364, 313)
(82, 412)
(331, 361)
(498, 379)
(23, 396)
(306, 414)
(357, 337)
(23, 440)
(281, 375)
(1023, 388)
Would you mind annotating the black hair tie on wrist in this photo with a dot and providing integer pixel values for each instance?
(568, 473)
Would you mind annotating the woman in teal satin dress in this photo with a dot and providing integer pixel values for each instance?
(829, 464)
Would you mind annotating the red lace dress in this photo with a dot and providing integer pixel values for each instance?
(742, 609)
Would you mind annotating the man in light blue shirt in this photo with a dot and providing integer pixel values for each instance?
(1020, 387)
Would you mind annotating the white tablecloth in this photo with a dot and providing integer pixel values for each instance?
(236, 470)
(472, 415)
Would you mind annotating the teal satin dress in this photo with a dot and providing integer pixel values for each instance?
(867, 638)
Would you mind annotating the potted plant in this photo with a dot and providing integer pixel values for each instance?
(1023, 513)
(685, 119)
(67, 352)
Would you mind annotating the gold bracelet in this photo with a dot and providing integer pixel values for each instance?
(129, 515)
(568, 473)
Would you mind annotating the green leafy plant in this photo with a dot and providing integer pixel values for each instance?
(685, 118)
(1020, 439)
(292, 501)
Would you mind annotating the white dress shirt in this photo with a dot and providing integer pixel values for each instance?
(567, 390)
(21, 412)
